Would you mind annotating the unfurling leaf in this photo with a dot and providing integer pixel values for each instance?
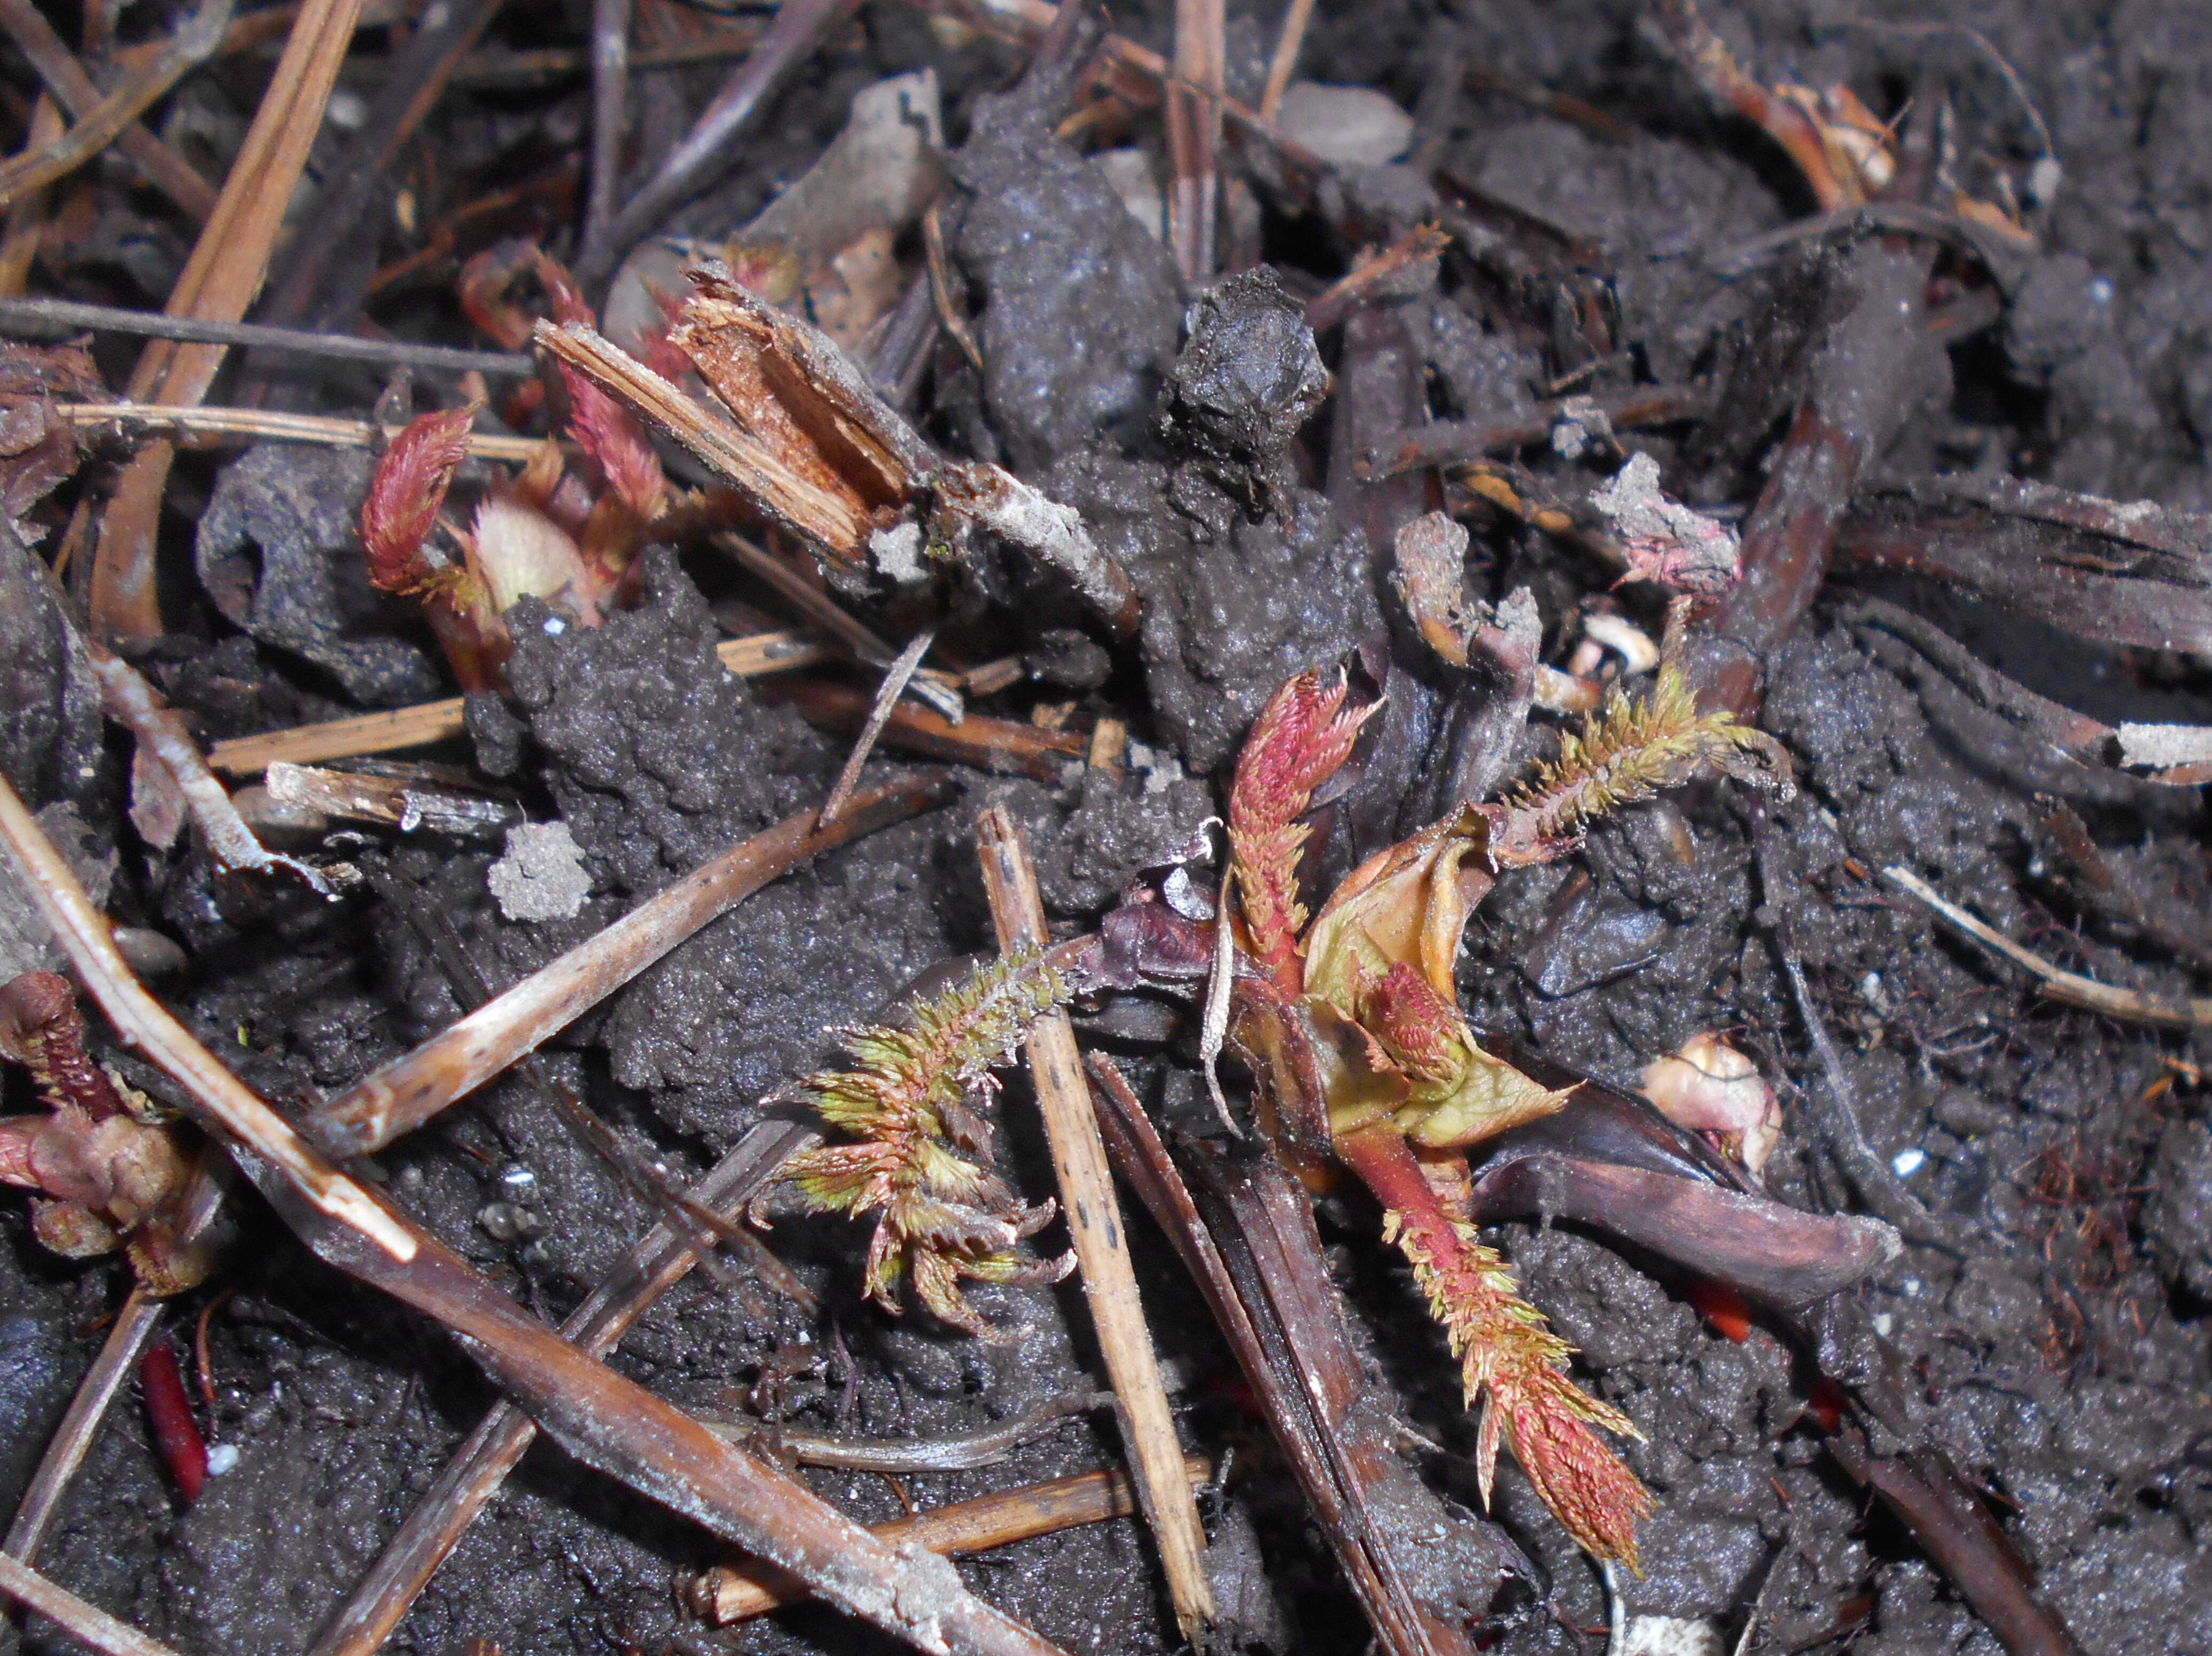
(1626, 752)
(105, 1179)
(1300, 739)
(1509, 1360)
(408, 486)
(908, 1107)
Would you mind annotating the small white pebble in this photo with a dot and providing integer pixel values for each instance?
(221, 1457)
(1349, 126)
(554, 626)
(345, 109)
(1908, 1162)
(543, 876)
(2043, 179)
(1883, 1322)
(1670, 1635)
(2100, 290)
(1912, 1286)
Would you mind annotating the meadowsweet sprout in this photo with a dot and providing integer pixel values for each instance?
(915, 1150)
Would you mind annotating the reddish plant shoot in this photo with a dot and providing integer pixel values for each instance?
(169, 1412)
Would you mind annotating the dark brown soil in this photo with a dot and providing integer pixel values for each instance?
(2063, 1350)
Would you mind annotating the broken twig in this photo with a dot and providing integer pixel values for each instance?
(723, 1595)
(97, 1629)
(887, 696)
(1094, 1222)
(434, 721)
(415, 1086)
(2057, 982)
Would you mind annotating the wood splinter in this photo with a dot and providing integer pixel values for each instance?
(1095, 1225)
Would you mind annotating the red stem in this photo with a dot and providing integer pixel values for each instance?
(176, 1433)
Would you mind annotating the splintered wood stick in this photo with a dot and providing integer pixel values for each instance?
(94, 1627)
(163, 739)
(600, 1417)
(434, 721)
(1093, 1214)
(730, 1593)
(415, 1086)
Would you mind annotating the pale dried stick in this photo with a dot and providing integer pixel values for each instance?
(129, 699)
(609, 105)
(659, 1260)
(723, 1595)
(194, 42)
(895, 678)
(1285, 60)
(142, 1021)
(1194, 111)
(599, 1416)
(26, 215)
(93, 1626)
(752, 656)
(73, 90)
(962, 1452)
(193, 427)
(415, 1086)
(219, 280)
(2070, 987)
(816, 606)
(65, 1450)
(1093, 1213)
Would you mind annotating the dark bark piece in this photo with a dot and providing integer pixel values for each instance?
(1875, 365)
(50, 732)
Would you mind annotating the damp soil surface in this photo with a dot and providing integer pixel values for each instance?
(2057, 1329)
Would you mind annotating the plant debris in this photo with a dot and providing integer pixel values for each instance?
(1576, 644)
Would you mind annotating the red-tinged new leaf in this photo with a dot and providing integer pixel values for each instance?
(1300, 739)
(562, 296)
(406, 493)
(612, 435)
(1509, 1360)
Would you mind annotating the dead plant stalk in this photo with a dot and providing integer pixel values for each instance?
(219, 281)
(410, 1089)
(1095, 1224)
(723, 1596)
(607, 1422)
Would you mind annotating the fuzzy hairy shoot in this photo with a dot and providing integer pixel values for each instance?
(918, 1149)
(1509, 1360)
(405, 494)
(1625, 753)
(1301, 738)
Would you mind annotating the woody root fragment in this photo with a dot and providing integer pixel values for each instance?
(792, 426)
